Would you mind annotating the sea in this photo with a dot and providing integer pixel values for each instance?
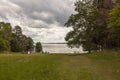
(60, 48)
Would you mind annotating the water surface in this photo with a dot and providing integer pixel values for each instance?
(60, 48)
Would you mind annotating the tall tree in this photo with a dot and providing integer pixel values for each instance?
(5, 31)
(30, 44)
(5, 36)
(15, 47)
(89, 25)
(4, 45)
(14, 40)
(83, 24)
(17, 34)
(114, 26)
(25, 43)
(114, 17)
(38, 47)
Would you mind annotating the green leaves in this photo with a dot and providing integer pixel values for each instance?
(91, 28)
(83, 24)
(114, 26)
(114, 17)
(5, 36)
(4, 45)
(14, 41)
(38, 47)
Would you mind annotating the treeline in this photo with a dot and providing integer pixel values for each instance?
(12, 39)
(96, 25)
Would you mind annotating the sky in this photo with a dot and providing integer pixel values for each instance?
(43, 20)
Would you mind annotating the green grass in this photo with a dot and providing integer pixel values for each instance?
(95, 66)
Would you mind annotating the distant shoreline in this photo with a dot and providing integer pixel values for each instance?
(54, 43)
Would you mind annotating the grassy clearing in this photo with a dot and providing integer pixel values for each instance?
(97, 66)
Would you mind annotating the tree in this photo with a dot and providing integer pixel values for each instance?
(30, 44)
(18, 39)
(5, 36)
(23, 42)
(14, 40)
(17, 31)
(84, 25)
(114, 17)
(15, 47)
(4, 45)
(5, 31)
(114, 26)
(38, 47)
(89, 25)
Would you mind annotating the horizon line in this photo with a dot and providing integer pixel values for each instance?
(55, 43)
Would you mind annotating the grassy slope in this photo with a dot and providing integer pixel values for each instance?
(97, 66)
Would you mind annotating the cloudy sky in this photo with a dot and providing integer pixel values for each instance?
(43, 20)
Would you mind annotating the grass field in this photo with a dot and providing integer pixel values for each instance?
(95, 66)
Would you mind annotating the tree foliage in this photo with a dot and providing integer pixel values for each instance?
(83, 24)
(114, 17)
(4, 45)
(114, 26)
(5, 36)
(89, 25)
(15, 47)
(38, 47)
(12, 39)
(30, 44)
(23, 43)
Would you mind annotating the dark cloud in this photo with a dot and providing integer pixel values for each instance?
(60, 10)
(40, 17)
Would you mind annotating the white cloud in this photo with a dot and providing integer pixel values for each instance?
(51, 35)
(44, 14)
(40, 19)
(8, 8)
(55, 33)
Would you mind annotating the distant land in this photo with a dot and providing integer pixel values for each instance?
(55, 43)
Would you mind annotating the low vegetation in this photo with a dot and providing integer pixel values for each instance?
(95, 66)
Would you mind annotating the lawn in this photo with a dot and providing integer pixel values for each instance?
(94, 66)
